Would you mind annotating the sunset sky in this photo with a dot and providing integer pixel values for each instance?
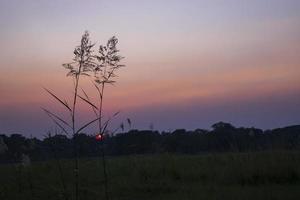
(189, 63)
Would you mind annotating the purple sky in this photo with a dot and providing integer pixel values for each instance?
(189, 63)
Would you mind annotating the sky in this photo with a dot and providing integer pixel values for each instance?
(189, 64)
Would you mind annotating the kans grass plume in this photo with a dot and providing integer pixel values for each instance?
(101, 66)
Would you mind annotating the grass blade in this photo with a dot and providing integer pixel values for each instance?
(87, 97)
(57, 117)
(98, 89)
(88, 102)
(116, 113)
(58, 99)
(87, 124)
(57, 123)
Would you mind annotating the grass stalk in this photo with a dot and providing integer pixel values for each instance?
(60, 171)
(101, 131)
(76, 170)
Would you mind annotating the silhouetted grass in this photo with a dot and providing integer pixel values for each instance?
(101, 67)
(264, 175)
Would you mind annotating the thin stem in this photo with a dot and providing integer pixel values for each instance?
(104, 171)
(60, 172)
(75, 100)
(76, 171)
(101, 94)
(100, 108)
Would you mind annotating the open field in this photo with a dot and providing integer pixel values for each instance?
(263, 175)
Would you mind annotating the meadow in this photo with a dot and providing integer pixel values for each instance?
(253, 175)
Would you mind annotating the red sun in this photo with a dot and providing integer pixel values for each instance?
(99, 137)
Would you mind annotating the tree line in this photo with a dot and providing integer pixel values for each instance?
(223, 137)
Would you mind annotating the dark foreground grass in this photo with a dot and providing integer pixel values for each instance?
(264, 175)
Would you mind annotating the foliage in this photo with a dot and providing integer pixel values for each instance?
(85, 62)
(152, 142)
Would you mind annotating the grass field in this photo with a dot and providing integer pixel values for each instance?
(264, 175)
